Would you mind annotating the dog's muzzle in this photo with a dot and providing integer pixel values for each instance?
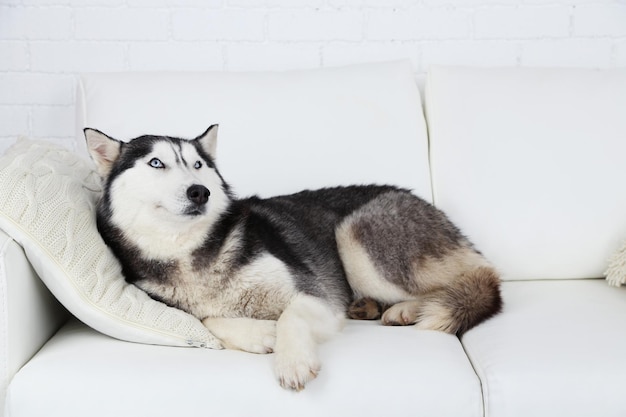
(198, 195)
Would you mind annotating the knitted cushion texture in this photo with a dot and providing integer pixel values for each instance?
(48, 199)
(616, 271)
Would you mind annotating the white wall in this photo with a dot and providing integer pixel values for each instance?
(45, 43)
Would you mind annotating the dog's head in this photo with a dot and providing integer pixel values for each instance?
(157, 187)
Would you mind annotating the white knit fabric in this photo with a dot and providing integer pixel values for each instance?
(47, 204)
(616, 271)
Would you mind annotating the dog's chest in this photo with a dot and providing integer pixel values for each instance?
(260, 289)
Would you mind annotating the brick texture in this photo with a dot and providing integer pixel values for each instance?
(76, 56)
(121, 24)
(419, 23)
(522, 22)
(175, 56)
(600, 20)
(315, 25)
(44, 44)
(234, 25)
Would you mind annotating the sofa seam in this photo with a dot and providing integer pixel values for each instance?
(80, 99)
(480, 374)
(426, 112)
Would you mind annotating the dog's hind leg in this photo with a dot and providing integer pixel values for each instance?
(366, 309)
(366, 280)
(399, 250)
(305, 322)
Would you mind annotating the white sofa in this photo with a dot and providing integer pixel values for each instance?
(530, 163)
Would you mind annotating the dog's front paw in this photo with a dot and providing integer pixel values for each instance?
(249, 335)
(261, 337)
(294, 371)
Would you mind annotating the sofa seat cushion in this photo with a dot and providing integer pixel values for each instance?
(368, 369)
(556, 350)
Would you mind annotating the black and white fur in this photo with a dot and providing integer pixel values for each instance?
(279, 274)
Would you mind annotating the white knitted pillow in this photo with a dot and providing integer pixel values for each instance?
(47, 204)
(616, 271)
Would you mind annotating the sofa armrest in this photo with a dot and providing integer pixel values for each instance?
(29, 314)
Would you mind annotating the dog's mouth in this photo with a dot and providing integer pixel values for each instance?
(190, 211)
(195, 211)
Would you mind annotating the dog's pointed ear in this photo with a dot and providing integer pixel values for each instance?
(103, 149)
(208, 140)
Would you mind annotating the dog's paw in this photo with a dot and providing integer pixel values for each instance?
(364, 309)
(249, 335)
(294, 371)
(401, 314)
(261, 337)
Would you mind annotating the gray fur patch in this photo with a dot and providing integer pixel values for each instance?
(399, 230)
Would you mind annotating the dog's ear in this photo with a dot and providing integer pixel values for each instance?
(103, 149)
(208, 140)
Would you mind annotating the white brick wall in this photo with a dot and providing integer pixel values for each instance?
(523, 22)
(251, 56)
(315, 25)
(173, 56)
(218, 25)
(121, 24)
(418, 23)
(45, 43)
(600, 19)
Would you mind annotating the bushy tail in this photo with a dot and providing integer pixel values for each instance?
(467, 301)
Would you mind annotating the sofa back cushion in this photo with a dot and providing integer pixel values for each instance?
(531, 164)
(279, 132)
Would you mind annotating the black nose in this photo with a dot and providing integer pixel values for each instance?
(198, 194)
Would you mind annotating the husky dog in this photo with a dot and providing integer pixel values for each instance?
(281, 274)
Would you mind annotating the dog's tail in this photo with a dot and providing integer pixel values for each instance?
(467, 301)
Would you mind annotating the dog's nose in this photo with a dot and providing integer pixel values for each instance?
(198, 194)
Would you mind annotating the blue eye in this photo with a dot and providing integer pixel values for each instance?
(156, 163)
(197, 165)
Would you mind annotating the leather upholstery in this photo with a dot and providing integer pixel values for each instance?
(556, 350)
(530, 164)
(29, 315)
(368, 370)
(278, 132)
